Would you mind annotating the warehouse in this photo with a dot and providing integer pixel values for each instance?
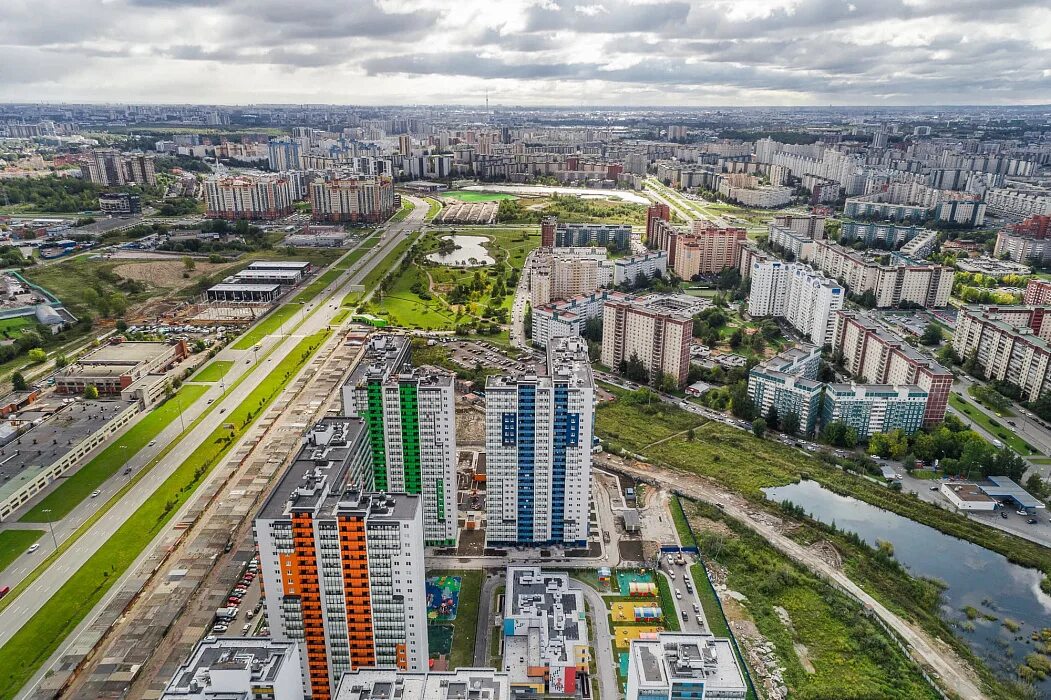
(296, 265)
(244, 293)
(113, 368)
(286, 278)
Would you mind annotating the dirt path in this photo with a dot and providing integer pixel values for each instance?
(951, 671)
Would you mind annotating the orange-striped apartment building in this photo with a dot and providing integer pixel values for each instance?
(343, 570)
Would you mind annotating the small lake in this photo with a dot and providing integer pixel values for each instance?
(468, 249)
(972, 574)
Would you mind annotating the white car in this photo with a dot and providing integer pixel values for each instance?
(32, 548)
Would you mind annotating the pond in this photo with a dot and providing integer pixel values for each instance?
(973, 576)
(469, 252)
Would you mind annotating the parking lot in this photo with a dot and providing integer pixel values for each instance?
(245, 596)
(469, 354)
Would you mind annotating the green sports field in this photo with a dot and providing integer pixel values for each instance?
(468, 196)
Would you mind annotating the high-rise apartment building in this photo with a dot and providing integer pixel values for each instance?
(659, 338)
(568, 317)
(874, 408)
(788, 384)
(538, 438)
(704, 250)
(411, 418)
(105, 166)
(342, 568)
(140, 169)
(248, 197)
(797, 293)
(568, 272)
(904, 280)
(1009, 343)
(1037, 293)
(284, 154)
(349, 199)
(876, 355)
(556, 234)
(655, 213)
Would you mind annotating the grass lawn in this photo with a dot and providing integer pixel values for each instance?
(671, 618)
(465, 626)
(991, 425)
(848, 654)
(105, 464)
(405, 308)
(377, 273)
(636, 425)
(9, 326)
(213, 371)
(14, 542)
(1004, 412)
(31, 646)
(925, 474)
(472, 196)
(406, 207)
(682, 528)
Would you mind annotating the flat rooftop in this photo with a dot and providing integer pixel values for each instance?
(1001, 487)
(27, 450)
(130, 352)
(678, 658)
(278, 265)
(461, 684)
(261, 657)
(234, 287)
(291, 275)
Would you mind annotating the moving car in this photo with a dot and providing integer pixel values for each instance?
(95, 493)
(33, 548)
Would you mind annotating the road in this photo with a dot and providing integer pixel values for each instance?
(686, 599)
(1023, 425)
(518, 310)
(601, 641)
(317, 316)
(953, 672)
(485, 618)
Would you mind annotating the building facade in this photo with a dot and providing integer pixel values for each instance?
(262, 197)
(568, 318)
(1009, 344)
(538, 439)
(349, 199)
(649, 265)
(659, 339)
(411, 418)
(793, 291)
(874, 408)
(342, 568)
(788, 384)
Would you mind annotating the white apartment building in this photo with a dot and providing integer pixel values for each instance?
(926, 284)
(797, 293)
(342, 569)
(675, 666)
(569, 317)
(799, 245)
(1018, 203)
(411, 414)
(239, 667)
(788, 383)
(626, 270)
(538, 439)
(659, 337)
(568, 272)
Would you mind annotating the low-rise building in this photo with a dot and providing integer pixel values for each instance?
(461, 684)
(112, 368)
(238, 667)
(120, 203)
(45, 440)
(675, 666)
(243, 293)
(545, 632)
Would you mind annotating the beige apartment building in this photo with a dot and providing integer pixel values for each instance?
(927, 285)
(1010, 344)
(661, 340)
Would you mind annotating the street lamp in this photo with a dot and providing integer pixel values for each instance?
(178, 405)
(51, 527)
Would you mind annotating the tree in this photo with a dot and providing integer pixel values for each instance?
(970, 364)
(758, 427)
(18, 380)
(91, 392)
(122, 326)
(790, 423)
(36, 355)
(740, 403)
(736, 338)
(189, 264)
(772, 418)
(61, 361)
(932, 335)
(668, 383)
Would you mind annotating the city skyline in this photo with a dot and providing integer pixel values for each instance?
(791, 53)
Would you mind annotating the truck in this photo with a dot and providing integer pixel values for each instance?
(226, 613)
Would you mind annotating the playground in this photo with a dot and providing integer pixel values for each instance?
(625, 634)
(636, 584)
(635, 612)
(443, 598)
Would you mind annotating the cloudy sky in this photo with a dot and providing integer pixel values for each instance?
(559, 52)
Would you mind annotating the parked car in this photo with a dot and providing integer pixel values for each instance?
(1003, 514)
(4, 591)
(1031, 521)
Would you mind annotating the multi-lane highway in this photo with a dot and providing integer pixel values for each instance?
(315, 317)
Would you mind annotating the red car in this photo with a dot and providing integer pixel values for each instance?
(4, 591)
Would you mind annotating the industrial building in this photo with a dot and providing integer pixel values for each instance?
(238, 293)
(675, 666)
(239, 667)
(538, 439)
(46, 439)
(112, 368)
(545, 632)
(284, 278)
(342, 568)
(411, 417)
